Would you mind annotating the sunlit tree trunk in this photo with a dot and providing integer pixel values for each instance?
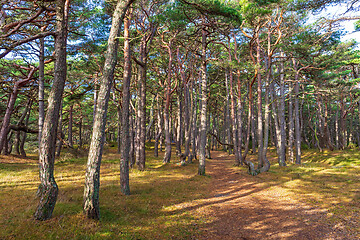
(203, 99)
(48, 189)
(125, 137)
(92, 177)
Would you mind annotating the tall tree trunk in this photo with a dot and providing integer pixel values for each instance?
(160, 121)
(291, 124)
(233, 119)
(297, 119)
(282, 123)
(167, 155)
(141, 111)
(125, 138)
(48, 189)
(92, 177)
(203, 99)
(187, 123)
(179, 121)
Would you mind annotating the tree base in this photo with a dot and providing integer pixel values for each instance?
(48, 196)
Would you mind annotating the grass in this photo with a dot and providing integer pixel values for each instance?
(142, 215)
(328, 180)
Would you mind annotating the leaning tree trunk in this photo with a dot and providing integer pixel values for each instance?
(92, 177)
(48, 189)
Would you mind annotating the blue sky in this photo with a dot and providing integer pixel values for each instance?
(334, 12)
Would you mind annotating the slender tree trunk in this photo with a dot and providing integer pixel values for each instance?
(48, 189)
(92, 177)
(24, 134)
(202, 142)
(187, 124)
(70, 132)
(160, 121)
(125, 138)
(291, 124)
(141, 111)
(41, 87)
(167, 155)
(179, 121)
(297, 120)
(282, 123)
(233, 120)
(60, 135)
(132, 139)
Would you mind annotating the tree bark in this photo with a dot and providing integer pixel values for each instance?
(297, 120)
(125, 138)
(203, 99)
(92, 177)
(48, 189)
(41, 87)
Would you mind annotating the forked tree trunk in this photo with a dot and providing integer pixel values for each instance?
(48, 189)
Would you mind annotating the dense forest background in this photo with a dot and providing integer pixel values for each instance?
(240, 76)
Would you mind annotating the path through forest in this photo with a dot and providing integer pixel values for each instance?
(242, 207)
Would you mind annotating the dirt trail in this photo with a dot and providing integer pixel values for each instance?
(243, 208)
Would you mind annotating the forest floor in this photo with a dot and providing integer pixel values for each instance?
(261, 207)
(319, 199)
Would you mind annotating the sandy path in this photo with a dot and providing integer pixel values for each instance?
(242, 208)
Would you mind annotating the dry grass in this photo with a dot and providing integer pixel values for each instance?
(142, 215)
(155, 209)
